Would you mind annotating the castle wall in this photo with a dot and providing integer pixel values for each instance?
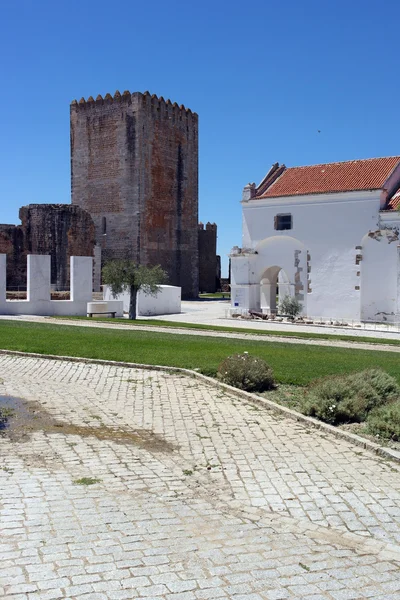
(12, 243)
(59, 230)
(209, 265)
(134, 168)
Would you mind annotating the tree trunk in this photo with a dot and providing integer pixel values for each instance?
(132, 302)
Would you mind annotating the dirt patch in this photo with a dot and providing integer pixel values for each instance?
(16, 295)
(20, 418)
(24, 295)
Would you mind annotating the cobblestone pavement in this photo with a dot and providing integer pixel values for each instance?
(197, 495)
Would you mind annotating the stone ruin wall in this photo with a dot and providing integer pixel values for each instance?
(134, 168)
(209, 262)
(61, 230)
(12, 243)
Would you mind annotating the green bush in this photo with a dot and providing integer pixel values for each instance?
(349, 398)
(383, 383)
(385, 421)
(290, 306)
(246, 372)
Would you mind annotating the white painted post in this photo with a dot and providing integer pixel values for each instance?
(3, 281)
(97, 268)
(81, 269)
(398, 281)
(38, 284)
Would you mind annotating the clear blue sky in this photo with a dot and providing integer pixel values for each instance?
(264, 77)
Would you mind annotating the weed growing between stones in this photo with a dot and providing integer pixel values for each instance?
(87, 481)
(6, 413)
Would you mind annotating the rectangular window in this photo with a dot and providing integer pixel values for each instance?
(283, 222)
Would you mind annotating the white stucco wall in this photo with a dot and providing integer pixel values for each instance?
(327, 229)
(166, 302)
(380, 274)
(38, 288)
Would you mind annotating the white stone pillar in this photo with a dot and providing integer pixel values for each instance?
(81, 269)
(38, 284)
(3, 281)
(398, 283)
(266, 303)
(97, 268)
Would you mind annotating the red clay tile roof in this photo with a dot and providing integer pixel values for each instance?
(394, 202)
(368, 174)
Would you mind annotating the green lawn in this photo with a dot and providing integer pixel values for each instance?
(292, 363)
(216, 295)
(224, 328)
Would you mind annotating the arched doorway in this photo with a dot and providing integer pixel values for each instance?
(274, 286)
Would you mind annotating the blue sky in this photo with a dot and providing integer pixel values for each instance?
(264, 77)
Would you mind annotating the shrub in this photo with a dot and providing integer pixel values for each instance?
(349, 398)
(383, 383)
(246, 372)
(290, 306)
(385, 421)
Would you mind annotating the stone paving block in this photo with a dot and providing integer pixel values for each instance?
(250, 521)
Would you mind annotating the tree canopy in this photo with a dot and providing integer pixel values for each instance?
(126, 275)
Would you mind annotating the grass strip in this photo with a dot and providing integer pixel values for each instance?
(227, 329)
(215, 296)
(292, 364)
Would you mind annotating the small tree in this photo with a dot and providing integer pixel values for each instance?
(123, 275)
(290, 306)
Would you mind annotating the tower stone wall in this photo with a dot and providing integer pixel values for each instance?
(134, 168)
(209, 263)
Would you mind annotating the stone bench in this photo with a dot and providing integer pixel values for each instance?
(105, 308)
(109, 312)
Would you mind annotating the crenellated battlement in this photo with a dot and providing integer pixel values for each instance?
(208, 227)
(151, 100)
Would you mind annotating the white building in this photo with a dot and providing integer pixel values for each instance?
(327, 234)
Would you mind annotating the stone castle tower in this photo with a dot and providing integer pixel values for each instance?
(134, 168)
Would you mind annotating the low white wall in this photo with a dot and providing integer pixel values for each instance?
(38, 285)
(166, 302)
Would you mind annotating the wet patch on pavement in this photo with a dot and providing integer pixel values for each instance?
(20, 418)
